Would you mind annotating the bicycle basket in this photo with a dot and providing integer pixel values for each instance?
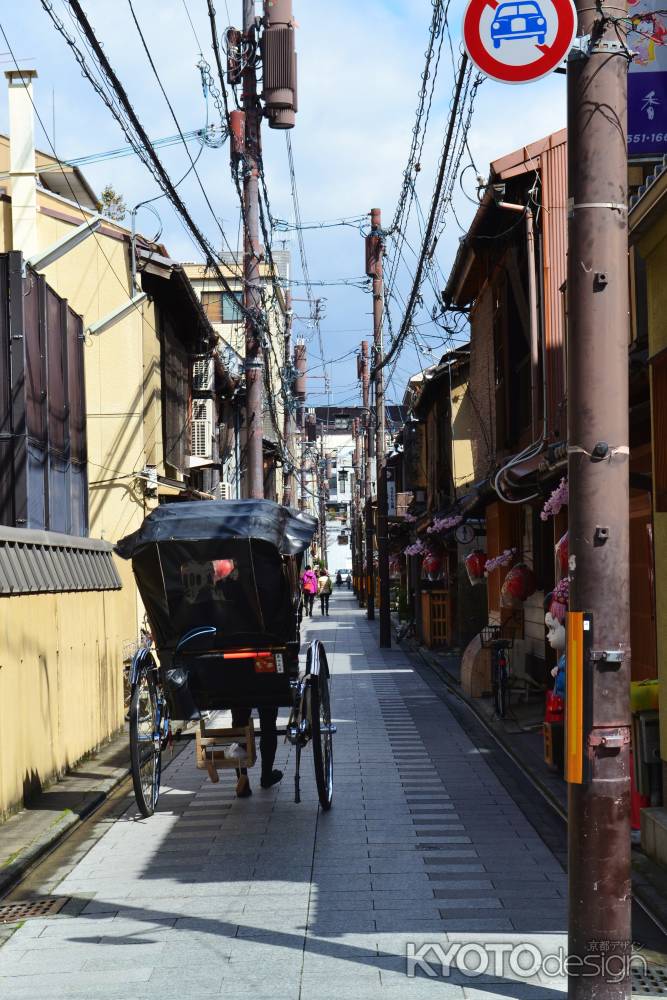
(489, 635)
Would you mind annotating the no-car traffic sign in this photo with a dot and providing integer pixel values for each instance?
(520, 41)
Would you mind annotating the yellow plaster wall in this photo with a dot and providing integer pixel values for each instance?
(462, 435)
(654, 250)
(61, 683)
(61, 656)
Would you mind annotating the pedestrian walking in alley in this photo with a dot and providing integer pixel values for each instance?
(268, 744)
(309, 589)
(324, 588)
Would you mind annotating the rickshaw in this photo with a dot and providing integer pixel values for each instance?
(220, 582)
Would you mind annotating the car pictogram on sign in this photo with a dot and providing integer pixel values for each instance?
(518, 20)
(517, 41)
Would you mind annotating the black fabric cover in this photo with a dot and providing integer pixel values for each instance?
(290, 531)
(256, 604)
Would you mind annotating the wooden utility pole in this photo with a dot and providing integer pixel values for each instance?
(252, 290)
(374, 269)
(368, 480)
(598, 666)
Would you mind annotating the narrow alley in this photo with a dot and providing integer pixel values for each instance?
(261, 897)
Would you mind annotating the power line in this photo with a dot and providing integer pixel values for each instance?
(433, 216)
(124, 111)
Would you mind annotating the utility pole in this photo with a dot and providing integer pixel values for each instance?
(598, 460)
(289, 417)
(322, 483)
(252, 290)
(357, 498)
(374, 270)
(368, 480)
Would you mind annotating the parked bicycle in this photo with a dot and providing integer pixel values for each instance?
(492, 638)
(407, 630)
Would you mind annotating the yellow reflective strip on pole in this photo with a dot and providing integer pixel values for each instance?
(574, 687)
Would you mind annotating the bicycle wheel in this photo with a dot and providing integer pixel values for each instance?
(321, 734)
(145, 743)
(501, 691)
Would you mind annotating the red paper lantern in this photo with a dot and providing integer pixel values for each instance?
(432, 567)
(562, 553)
(518, 586)
(474, 564)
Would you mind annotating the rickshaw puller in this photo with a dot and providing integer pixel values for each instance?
(268, 745)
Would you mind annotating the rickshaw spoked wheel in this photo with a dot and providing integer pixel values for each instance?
(320, 728)
(145, 743)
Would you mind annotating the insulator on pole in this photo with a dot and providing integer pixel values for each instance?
(237, 135)
(301, 364)
(234, 60)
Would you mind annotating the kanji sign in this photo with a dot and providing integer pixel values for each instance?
(521, 41)
(647, 79)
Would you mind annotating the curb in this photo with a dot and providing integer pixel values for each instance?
(13, 873)
(643, 890)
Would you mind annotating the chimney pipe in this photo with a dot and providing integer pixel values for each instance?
(22, 161)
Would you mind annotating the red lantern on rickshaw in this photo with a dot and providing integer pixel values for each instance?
(474, 564)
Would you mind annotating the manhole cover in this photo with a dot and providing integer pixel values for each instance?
(10, 913)
(651, 982)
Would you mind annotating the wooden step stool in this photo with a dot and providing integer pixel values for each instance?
(212, 748)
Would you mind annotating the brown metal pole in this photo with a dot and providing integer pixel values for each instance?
(252, 296)
(375, 266)
(598, 335)
(368, 481)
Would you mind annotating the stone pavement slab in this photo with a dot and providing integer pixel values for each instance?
(216, 896)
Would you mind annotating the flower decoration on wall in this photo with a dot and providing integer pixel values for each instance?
(409, 518)
(416, 549)
(504, 559)
(558, 499)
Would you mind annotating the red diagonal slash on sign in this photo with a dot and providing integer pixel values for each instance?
(549, 57)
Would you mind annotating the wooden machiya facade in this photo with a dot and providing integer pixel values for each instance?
(515, 429)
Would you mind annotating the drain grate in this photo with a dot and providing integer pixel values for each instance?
(11, 913)
(650, 983)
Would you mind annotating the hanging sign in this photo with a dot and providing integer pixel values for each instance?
(519, 42)
(647, 79)
(391, 493)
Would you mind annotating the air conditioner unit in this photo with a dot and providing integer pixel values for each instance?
(202, 429)
(202, 375)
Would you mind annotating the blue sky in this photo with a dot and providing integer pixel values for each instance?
(359, 69)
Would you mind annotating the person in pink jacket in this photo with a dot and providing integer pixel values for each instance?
(309, 588)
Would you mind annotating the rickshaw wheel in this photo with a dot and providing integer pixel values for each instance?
(320, 722)
(145, 743)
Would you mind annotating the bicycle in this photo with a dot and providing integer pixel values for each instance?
(407, 630)
(491, 638)
(500, 676)
(149, 726)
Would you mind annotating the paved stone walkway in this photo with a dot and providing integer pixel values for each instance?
(215, 896)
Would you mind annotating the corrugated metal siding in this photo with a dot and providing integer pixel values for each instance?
(553, 165)
(40, 562)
